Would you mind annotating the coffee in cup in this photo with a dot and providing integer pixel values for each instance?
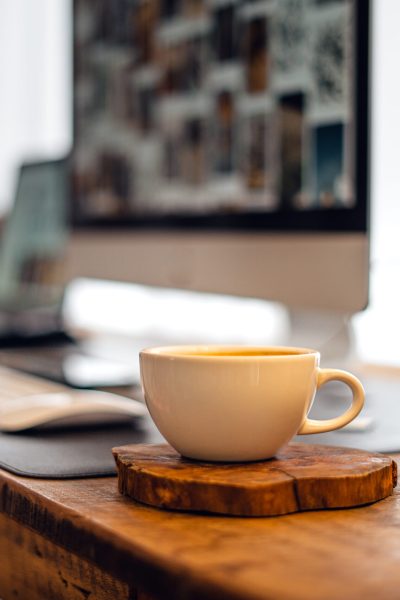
(235, 404)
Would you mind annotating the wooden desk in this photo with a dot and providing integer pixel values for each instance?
(80, 539)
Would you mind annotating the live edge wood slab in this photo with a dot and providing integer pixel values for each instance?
(301, 477)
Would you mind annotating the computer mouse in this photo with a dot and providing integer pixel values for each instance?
(69, 408)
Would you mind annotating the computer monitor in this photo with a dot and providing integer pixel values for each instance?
(222, 146)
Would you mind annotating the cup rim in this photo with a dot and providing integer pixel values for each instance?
(231, 352)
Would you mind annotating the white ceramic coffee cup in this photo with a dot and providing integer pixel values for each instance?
(232, 403)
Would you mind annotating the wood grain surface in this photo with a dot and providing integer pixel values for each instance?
(34, 568)
(336, 554)
(93, 531)
(301, 477)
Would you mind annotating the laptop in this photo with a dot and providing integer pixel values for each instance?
(31, 254)
(32, 285)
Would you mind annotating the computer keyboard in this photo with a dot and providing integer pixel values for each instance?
(377, 428)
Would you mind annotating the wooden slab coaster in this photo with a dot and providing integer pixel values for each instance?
(301, 477)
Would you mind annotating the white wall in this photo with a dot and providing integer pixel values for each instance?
(378, 328)
(386, 132)
(35, 120)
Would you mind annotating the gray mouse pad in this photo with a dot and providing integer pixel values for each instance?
(71, 453)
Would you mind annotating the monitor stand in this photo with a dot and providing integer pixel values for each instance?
(330, 333)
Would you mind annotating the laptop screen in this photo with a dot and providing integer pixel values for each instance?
(34, 237)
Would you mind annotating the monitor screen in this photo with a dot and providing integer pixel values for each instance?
(223, 146)
(221, 114)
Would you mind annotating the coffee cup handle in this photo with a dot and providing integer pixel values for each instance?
(320, 426)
